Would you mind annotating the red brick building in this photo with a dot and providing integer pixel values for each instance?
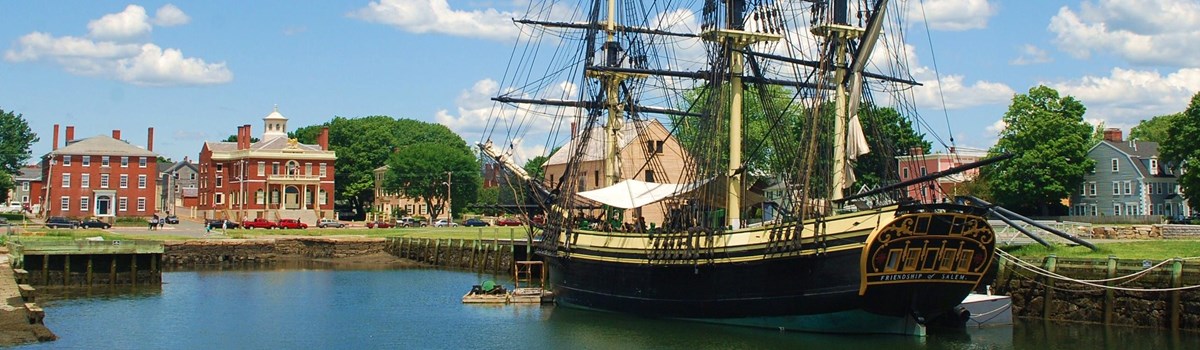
(100, 176)
(273, 178)
(918, 164)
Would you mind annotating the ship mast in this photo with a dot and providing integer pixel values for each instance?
(841, 33)
(610, 80)
(733, 39)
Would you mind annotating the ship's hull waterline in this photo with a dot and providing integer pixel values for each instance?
(877, 271)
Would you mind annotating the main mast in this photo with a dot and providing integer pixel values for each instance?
(734, 38)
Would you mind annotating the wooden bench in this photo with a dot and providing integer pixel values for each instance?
(34, 313)
(27, 292)
(21, 275)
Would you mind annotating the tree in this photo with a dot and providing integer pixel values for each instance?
(420, 171)
(1155, 129)
(1181, 146)
(366, 143)
(233, 138)
(1050, 139)
(888, 134)
(15, 141)
(533, 166)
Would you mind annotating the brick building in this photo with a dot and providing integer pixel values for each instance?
(917, 164)
(100, 176)
(273, 178)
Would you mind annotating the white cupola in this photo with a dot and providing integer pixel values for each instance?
(274, 125)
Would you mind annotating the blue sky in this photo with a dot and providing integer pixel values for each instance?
(196, 70)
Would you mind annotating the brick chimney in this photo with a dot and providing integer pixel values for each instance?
(1112, 134)
(70, 134)
(574, 129)
(241, 135)
(150, 139)
(246, 138)
(55, 146)
(916, 151)
(323, 138)
(116, 134)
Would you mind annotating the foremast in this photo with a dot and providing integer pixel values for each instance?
(733, 39)
(610, 81)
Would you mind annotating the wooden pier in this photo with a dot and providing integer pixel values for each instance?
(86, 263)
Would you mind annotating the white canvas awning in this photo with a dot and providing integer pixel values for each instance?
(633, 193)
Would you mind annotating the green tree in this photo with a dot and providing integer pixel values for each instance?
(6, 184)
(15, 140)
(1181, 146)
(1155, 129)
(888, 134)
(534, 166)
(488, 199)
(420, 171)
(366, 143)
(233, 138)
(1050, 140)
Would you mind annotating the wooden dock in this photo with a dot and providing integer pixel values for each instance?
(86, 262)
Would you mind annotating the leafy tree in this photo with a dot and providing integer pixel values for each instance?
(1049, 138)
(1181, 146)
(534, 166)
(366, 143)
(233, 138)
(162, 159)
(487, 200)
(15, 140)
(1155, 129)
(420, 171)
(889, 134)
(6, 185)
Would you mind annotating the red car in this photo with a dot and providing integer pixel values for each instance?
(380, 224)
(259, 223)
(506, 221)
(291, 224)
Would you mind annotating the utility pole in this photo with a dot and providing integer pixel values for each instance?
(449, 217)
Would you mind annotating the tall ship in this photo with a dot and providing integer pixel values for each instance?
(734, 162)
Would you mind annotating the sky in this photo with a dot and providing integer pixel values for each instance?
(196, 70)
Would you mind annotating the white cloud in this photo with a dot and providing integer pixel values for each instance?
(1142, 32)
(158, 67)
(952, 15)
(1031, 54)
(130, 23)
(120, 59)
(1126, 96)
(996, 128)
(953, 91)
(436, 16)
(170, 16)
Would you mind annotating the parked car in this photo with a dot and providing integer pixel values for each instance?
(326, 223)
(61, 222)
(259, 223)
(172, 219)
(508, 221)
(94, 223)
(290, 224)
(219, 223)
(410, 222)
(475, 222)
(538, 220)
(444, 223)
(13, 207)
(380, 224)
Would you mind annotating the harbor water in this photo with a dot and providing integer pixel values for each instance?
(322, 308)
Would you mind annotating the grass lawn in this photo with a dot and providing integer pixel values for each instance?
(78, 234)
(1148, 249)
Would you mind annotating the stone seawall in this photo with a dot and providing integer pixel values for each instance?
(201, 252)
(1160, 231)
(1143, 298)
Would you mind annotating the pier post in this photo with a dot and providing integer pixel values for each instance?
(112, 270)
(474, 252)
(66, 270)
(46, 269)
(133, 269)
(154, 273)
(1049, 297)
(1109, 293)
(89, 270)
(1176, 282)
(437, 247)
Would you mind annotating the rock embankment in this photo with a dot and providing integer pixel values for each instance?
(270, 250)
(15, 325)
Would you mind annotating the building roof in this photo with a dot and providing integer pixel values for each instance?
(275, 115)
(29, 173)
(181, 165)
(1138, 150)
(103, 145)
(275, 144)
(595, 148)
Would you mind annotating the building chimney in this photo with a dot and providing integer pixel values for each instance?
(573, 129)
(916, 151)
(323, 138)
(150, 139)
(1112, 134)
(55, 146)
(951, 150)
(70, 134)
(116, 133)
(246, 139)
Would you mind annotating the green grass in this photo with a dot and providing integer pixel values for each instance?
(68, 235)
(1148, 249)
(487, 233)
